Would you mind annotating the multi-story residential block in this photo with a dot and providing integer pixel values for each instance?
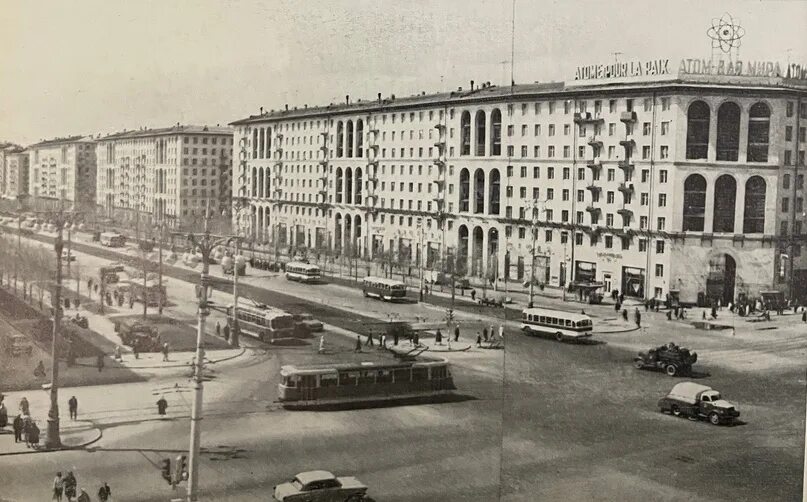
(63, 168)
(15, 172)
(5, 146)
(687, 184)
(171, 173)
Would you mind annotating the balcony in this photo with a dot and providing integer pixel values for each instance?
(628, 143)
(279, 136)
(594, 188)
(625, 165)
(587, 117)
(440, 183)
(372, 163)
(627, 117)
(372, 147)
(594, 164)
(324, 149)
(439, 162)
(440, 127)
(594, 142)
(626, 214)
(593, 209)
(626, 188)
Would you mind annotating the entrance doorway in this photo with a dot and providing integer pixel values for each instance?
(633, 282)
(606, 282)
(721, 279)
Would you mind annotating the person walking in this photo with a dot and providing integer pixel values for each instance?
(70, 486)
(501, 331)
(104, 492)
(638, 316)
(136, 349)
(473, 295)
(358, 344)
(24, 406)
(18, 424)
(416, 338)
(99, 362)
(456, 333)
(369, 341)
(438, 338)
(165, 352)
(218, 328)
(227, 332)
(118, 356)
(383, 342)
(616, 306)
(162, 405)
(83, 496)
(625, 314)
(804, 315)
(478, 339)
(3, 413)
(395, 338)
(58, 487)
(32, 435)
(485, 333)
(72, 404)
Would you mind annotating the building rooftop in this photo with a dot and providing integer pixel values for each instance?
(62, 141)
(163, 131)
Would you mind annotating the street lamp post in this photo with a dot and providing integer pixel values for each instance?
(420, 255)
(206, 242)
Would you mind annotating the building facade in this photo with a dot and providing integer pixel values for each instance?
(171, 173)
(15, 172)
(687, 184)
(63, 168)
(5, 148)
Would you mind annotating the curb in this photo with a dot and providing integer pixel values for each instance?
(185, 365)
(98, 435)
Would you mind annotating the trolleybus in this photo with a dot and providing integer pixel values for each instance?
(305, 386)
(303, 272)
(562, 325)
(262, 322)
(383, 288)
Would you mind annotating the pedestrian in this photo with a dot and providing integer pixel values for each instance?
(625, 314)
(719, 304)
(646, 305)
(456, 333)
(369, 341)
(99, 362)
(427, 289)
(104, 492)
(24, 406)
(501, 331)
(804, 316)
(383, 341)
(70, 486)
(227, 332)
(669, 315)
(416, 338)
(438, 338)
(83, 496)
(358, 344)
(621, 298)
(17, 424)
(478, 339)
(72, 404)
(58, 487)
(39, 371)
(165, 351)
(485, 333)
(473, 295)
(638, 316)
(32, 435)
(118, 356)
(136, 349)
(616, 307)
(704, 315)
(162, 405)
(714, 313)
(395, 338)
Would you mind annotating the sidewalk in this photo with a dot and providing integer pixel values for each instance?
(73, 434)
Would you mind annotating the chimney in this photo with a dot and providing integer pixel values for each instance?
(392, 97)
(347, 99)
(305, 105)
(287, 107)
(261, 110)
(459, 89)
(472, 85)
(379, 97)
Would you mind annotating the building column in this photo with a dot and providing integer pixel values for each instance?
(709, 209)
(739, 205)
(711, 154)
(742, 148)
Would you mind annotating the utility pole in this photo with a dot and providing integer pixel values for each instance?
(420, 255)
(206, 242)
(534, 229)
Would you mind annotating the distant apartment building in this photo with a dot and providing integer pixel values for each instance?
(63, 168)
(4, 147)
(15, 172)
(171, 173)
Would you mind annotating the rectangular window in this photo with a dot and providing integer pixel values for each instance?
(645, 152)
(643, 222)
(550, 173)
(785, 204)
(612, 105)
(645, 199)
(662, 176)
(566, 173)
(536, 172)
(609, 241)
(566, 129)
(662, 223)
(536, 193)
(659, 247)
(578, 238)
(566, 152)
(565, 194)
(609, 220)
(564, 216)
(523, 151)
(611, 174)
(642, 245)
(550, 194)
(665, 152)
(548, 233)
(662, 200)
(646, 129)
(659, 270)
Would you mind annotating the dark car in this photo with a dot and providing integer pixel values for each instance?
(670, 358)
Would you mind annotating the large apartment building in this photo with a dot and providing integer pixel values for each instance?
(63, 168)
(15, 161)
(172, 173)
(632, 177)
(6, 150)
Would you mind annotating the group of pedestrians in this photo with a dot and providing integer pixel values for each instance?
(488, 336)
(24, 426)
(67, 487)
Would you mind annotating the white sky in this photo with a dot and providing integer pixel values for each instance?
(99, 66)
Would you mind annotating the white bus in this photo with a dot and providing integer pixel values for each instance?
(262, 322)
(383, 288)
(112, 240)
(303, 272)
(562, 325)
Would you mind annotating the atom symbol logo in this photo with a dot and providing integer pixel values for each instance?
(726, 33)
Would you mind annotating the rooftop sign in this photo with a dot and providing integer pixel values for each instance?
(623, 69)
(641, 70)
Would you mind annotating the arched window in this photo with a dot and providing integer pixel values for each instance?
(267, 188)
(462, 250)
(348, 186)
(480, 133)
(754, 215)
(254, 182)
(728, 131)
(360, 138)
(495, 132)
(694, 202)
(698, 130)
(465, 134)
(495, 192)
(340, 138)
(254, 143)
(465, 188)
(725, 198)
(357, 234)
(337, 230)
(759, 121)
(260, 182)
(268, 142)
(357, 196)
(338, 186)
(261, 143)
(479, 192)
(349, 127)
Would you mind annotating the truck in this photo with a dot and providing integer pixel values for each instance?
(695, 401)
(138, 335)
(670, 358)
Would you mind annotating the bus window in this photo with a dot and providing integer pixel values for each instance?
(402, 375)
(420, 374)
(438, 372)
(569, 323)
(384, 376)
(328, 380)
(367, 377)
(542, 319)
(348, 377)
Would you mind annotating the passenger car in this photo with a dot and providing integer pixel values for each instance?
(320, 486)
(307, 322)
(671, 358)
(693, 400)
(68, 257)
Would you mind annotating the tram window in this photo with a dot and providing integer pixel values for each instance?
(348, 377)
(384, 376)
(308, 381)
(420, 374)
(329, 380)
(367, 378)
(290, 381)
(438, 372)
(402, 375)
(542, 319)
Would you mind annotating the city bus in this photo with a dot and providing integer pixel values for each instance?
(318, 385)
(112, 239)
(262, 322)
(303, 272)
(383, 289)
(558, 323)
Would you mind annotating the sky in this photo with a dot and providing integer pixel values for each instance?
(101, 66)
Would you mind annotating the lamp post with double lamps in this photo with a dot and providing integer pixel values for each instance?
(538, 206)
(420, 254)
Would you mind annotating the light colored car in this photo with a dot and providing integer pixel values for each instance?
(308, 322)
(320, 486)
(66, 257)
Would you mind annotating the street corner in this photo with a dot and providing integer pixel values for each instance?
(74, 434)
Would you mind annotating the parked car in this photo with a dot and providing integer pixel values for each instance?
(671, 358)
(308, 322)
(66, 257)
(320, 486)
(688, 399)
(490, 301)
(142, 336)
